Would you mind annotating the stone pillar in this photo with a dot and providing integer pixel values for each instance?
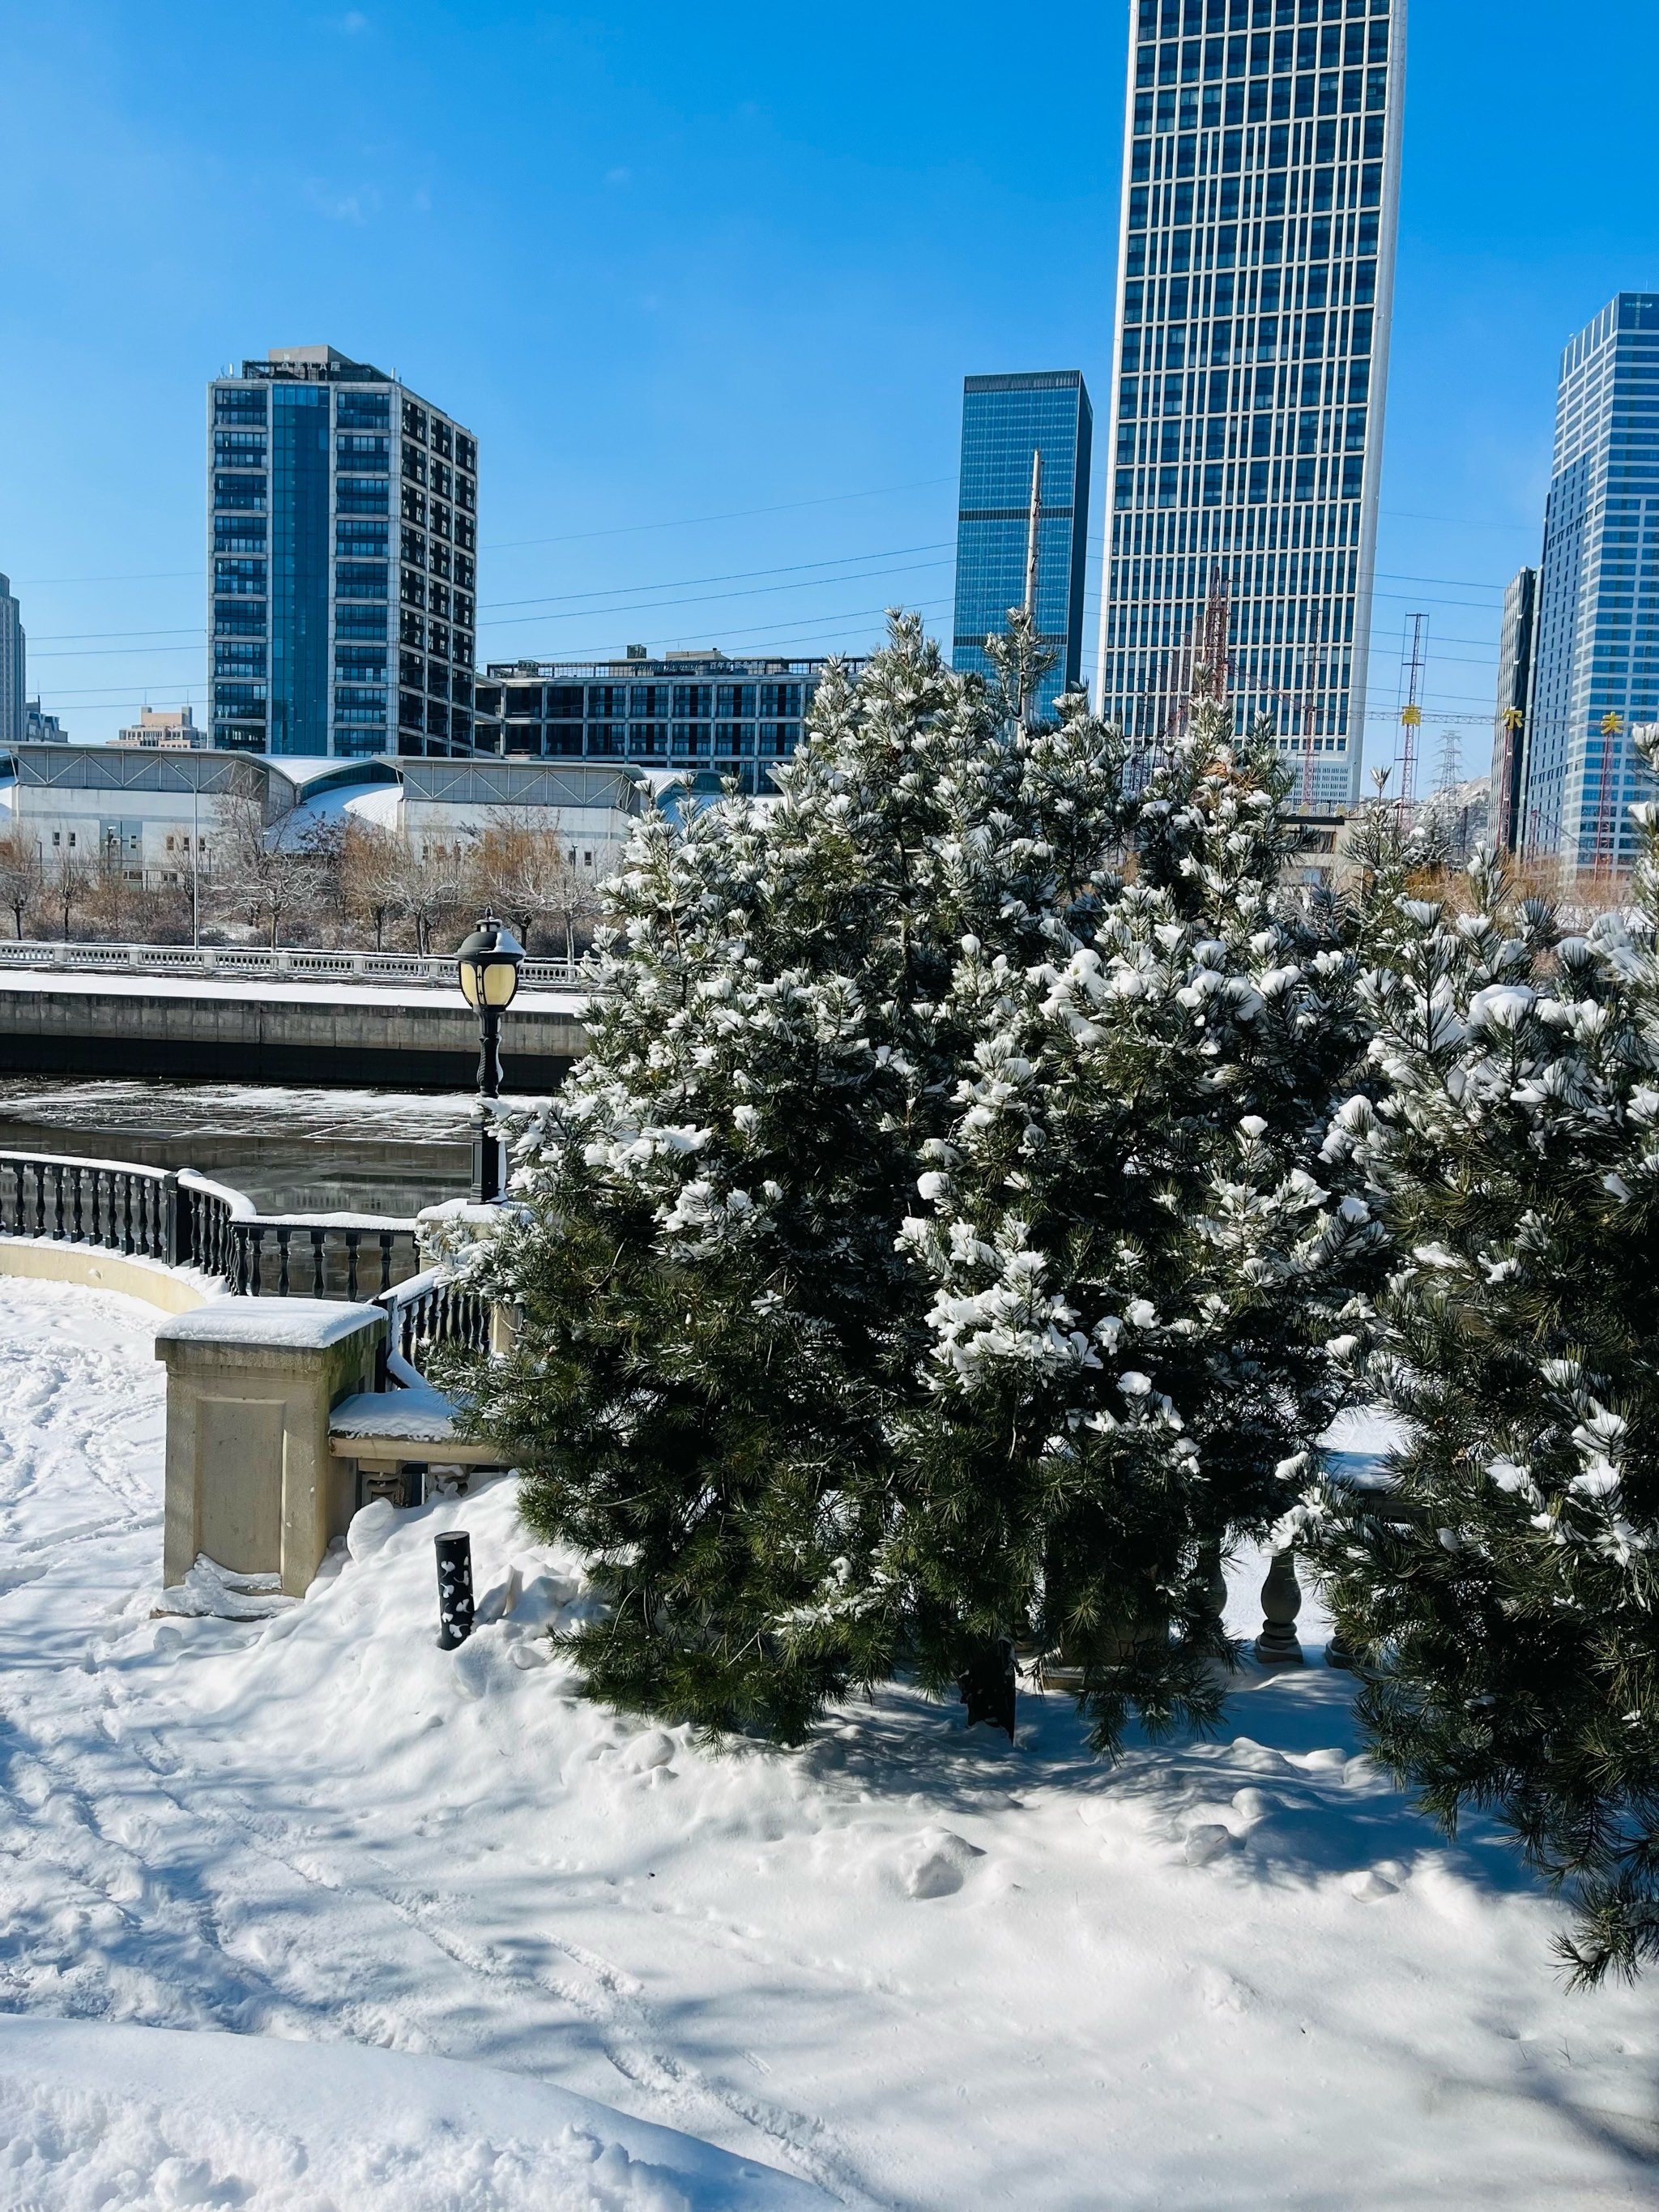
(1278, 1644)
(250, 1478)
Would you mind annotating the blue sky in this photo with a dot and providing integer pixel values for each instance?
(705, 281)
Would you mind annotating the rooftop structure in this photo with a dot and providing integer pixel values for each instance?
(166, 729)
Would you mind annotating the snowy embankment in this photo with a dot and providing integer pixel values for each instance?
(911, 1966)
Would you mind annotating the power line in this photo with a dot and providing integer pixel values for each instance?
(708, 599)
(733, 576)
(737, 514)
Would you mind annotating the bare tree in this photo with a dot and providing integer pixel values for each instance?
(375, 864)
(265, 874)
(69, 884)
(21, 875)
(435, 885)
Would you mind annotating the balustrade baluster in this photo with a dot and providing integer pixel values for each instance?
(353, 1239)
(57, 1198)
(258, 1237)
(386, 1259)
(317, 1287)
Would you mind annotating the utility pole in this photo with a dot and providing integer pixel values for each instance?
(1513, 722)
(1411, 718)
(1612, 728)
(1027, 703)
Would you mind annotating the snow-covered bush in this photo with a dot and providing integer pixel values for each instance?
(925, 1255)
(1505, 1593)
(1137, 1275)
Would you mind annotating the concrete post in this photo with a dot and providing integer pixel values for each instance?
(249, 1477)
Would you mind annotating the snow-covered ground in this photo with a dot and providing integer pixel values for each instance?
(912, 1966)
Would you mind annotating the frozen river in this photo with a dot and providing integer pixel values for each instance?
(291, 1150)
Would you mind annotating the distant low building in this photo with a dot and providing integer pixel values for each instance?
(163, 729)
(155, 811)
(41, 729)
(671, 713)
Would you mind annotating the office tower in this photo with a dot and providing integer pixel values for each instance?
(341, 561)
(1022, 518)
(672, 714)
(1261, 181)
(1515, 644)
(1598, 593)
(12, 705)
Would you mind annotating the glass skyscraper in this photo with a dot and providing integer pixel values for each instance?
(1516, 643)
(1021, 436)
(341, 561)
(1261, 165)
(1597, 653)
(14, 677)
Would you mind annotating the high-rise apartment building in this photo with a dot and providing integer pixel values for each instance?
(13, 674)
(341, 561)
(1516, 643)
(1598, 593)
(1260, 182)
(163, 729)
(1022, 518)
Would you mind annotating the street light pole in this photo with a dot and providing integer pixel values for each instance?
(487, 965)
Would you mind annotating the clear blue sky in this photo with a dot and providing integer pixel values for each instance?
(705, 281)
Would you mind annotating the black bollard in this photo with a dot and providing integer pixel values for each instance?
(455, 1588)
(987, 1686)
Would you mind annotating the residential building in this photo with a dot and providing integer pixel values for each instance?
(13, 673)
(156, 812)
(1261, 184)
(1597, 669)
(1517, 644)
(166, 729)
(1022, 518)
(41, 728)
(673, 714)
(341, 561)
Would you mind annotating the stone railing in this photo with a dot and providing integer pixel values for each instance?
(431, 971)
(186, 1220)
(429, 1310)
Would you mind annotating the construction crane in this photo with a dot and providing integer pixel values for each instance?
(1612, 728)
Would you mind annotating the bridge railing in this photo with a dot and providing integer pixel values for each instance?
(426, 971)
(187, 1220)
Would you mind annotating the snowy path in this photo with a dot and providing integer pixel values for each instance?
(918, 1968)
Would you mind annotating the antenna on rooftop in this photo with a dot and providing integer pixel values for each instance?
(1413, 666)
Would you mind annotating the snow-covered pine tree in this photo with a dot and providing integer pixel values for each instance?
(718, 1324)
(1505, 1594)
(1138, 1270)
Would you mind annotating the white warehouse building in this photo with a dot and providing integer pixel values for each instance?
(145, 811)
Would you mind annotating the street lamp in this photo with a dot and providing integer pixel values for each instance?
(487, 963)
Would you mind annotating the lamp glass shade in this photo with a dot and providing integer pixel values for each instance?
(487, 966)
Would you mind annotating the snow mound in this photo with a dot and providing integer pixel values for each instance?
(141, 2117)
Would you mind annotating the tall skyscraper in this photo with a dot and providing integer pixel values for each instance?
(341, 561)
(1515, 644)
(1598, 593)
(1261, 183)
(1023, 517)
(13, 674)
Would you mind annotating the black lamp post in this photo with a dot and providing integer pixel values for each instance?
(487, 963)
